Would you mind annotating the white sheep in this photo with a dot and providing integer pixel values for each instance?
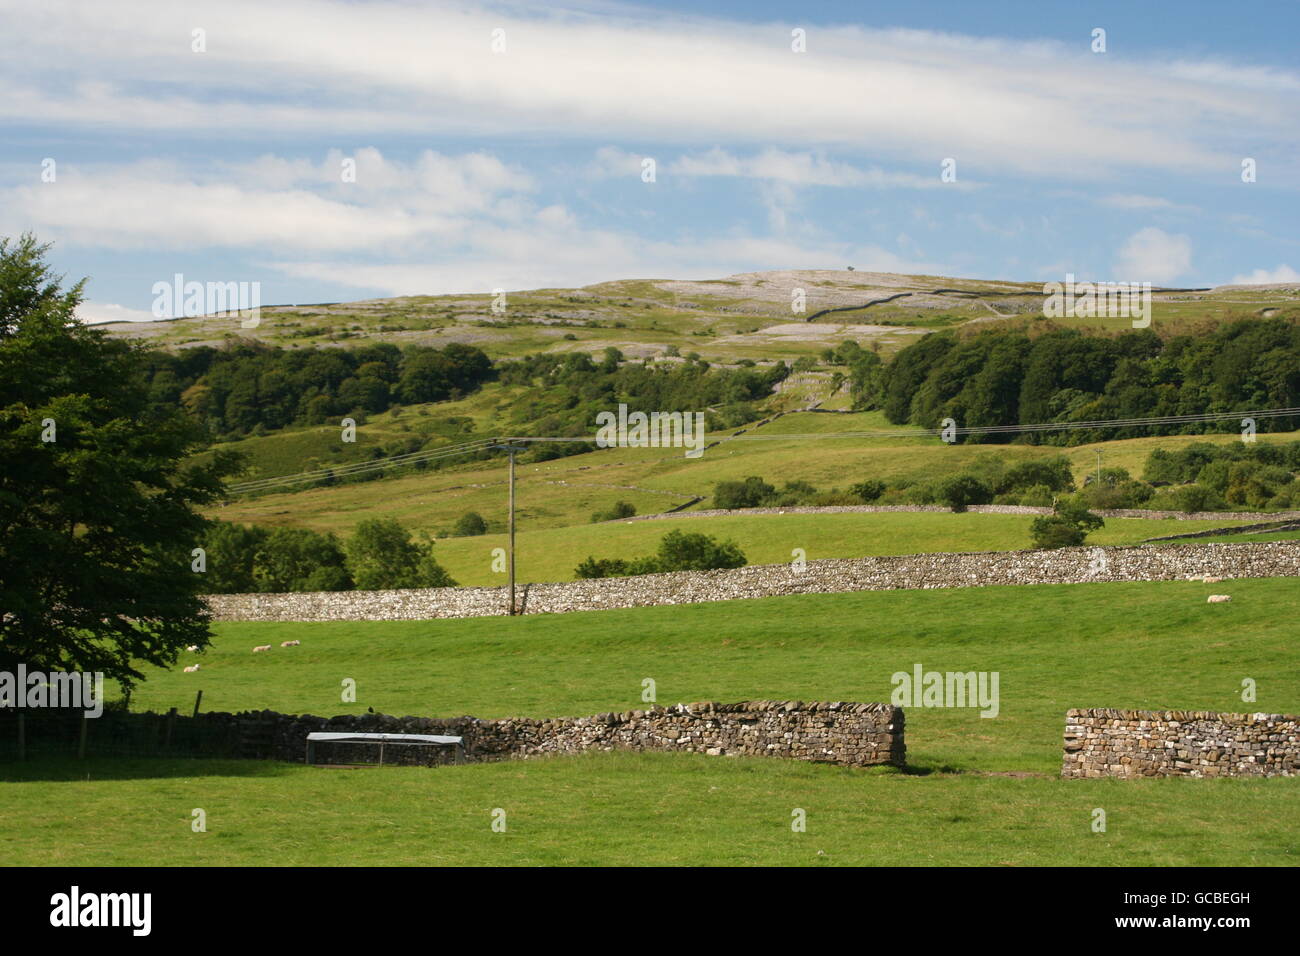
(192, 668)
(1218, 599)
(264, 647)
(1210, 579)
(193, 648)
(290, 643)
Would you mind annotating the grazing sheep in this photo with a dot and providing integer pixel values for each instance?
(1210, 579)
(1218, 599)
(192, 668)
(193, 648)
(264, 647)
(290, 643)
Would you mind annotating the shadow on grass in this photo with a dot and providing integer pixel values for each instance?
(57, 768)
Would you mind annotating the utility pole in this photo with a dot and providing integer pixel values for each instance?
(510, 555)
(1098, 467)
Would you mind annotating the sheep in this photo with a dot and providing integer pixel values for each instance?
(192, 668)
(290, 643)
(193, 648)
(264, 647)
(1218, 599)
(1210, 579)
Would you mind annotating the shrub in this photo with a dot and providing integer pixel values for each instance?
(382, 556)
(684, 551)
(868, 490)
(621, 509)
(1067, 527)
(961, 491)
(750, 493)
(470, 524)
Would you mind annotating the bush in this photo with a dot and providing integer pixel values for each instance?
(621, 509)
(297, 559)
(961, 491)
(753, 492)
(678, 551)
(868, 490)
(468, 525)
(683, 551)
(1067, 527)
(1051, 473)
(382, 556)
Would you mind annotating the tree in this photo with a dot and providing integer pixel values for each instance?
(470, 524)
(299, 559)
(682, 551)
(1066, 528)
(961, 491)
(98, 519)
(382, 556)
(750, 493)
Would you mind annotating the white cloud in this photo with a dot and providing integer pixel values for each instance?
(1267, 276)
(1137, 201)
(628, 72)
(272, 202)
(93, 313)
(1153, 255)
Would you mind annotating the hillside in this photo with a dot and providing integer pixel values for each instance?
(742, 316)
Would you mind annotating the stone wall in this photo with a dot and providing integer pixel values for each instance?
(972, 509)
(1193, 743)
(852, 734)
(941, 570)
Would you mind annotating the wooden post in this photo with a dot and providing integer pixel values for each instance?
(22, 736)
(512, 531)
(167, 735)
(198, 699)
(81, 744)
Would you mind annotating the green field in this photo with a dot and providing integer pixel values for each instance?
(551, 554)
(976, 790)
(567, 491)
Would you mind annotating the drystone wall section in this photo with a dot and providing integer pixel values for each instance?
(848, 733)
(926, 571)
(1193, 743)
(972, 509)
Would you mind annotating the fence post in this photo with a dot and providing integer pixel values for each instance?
(167, 735)
(198, 699)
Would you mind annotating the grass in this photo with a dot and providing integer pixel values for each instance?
(977, 791)
(626, 809)
(567, 491)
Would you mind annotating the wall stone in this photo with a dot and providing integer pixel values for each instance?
(846, 733)
(1193, 743)
(940, 570)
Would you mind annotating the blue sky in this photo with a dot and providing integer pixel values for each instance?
(522, 167)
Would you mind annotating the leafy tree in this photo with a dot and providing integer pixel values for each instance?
(684, 551)
(470, 524)
(98, 503)
(753, 492)
(621, 509)
(230, 551)
(961, 491)
(868, 490)
(1068, 527)
(382, 556)
(298, 559)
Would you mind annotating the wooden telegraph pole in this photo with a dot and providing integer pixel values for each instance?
(510, 556)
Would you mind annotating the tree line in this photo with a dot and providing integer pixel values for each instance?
(1063, 375)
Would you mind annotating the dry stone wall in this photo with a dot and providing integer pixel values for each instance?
(840, 732)
(942, 570)
(1193, 743)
